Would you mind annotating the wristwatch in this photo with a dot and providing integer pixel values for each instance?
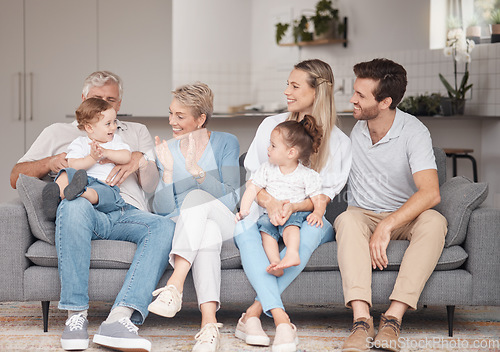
(201, 174)
(146, 157)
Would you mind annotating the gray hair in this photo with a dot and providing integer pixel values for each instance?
(101, 78)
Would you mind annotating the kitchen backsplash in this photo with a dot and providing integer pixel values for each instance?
(241, 83)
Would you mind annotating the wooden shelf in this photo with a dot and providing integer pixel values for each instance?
(317, 42)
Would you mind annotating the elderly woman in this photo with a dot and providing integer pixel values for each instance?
(198, 188)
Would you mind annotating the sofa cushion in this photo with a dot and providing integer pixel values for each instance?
(30, 192)
(325, 257)
(108, 254)
(459, 197)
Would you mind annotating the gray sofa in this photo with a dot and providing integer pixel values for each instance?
(468, 272)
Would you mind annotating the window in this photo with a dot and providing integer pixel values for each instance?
(463, 12)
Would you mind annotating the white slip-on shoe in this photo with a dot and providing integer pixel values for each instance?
(251, 332)
(286, 339)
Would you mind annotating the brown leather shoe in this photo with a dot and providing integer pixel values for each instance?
(361, 337)
(388, 334)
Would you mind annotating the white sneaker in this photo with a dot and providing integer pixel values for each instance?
(168, 302)
(208, 339)
(75, 336)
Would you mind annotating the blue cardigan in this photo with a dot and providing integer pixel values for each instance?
(221, 165)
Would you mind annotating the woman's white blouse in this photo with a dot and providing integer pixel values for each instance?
(334, 174)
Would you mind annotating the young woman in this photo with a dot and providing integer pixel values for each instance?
(309, 92)
(198, 189)
(286, 176)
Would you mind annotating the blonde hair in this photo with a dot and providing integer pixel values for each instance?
(320, 77)
(199, 97)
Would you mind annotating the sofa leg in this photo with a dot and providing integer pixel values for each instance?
(451, 314)
(45, 315)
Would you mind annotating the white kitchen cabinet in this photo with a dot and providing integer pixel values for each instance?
(60, 51)
(11, 91)
(135, 41)
(48, 48)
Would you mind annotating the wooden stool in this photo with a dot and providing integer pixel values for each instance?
(454, 154)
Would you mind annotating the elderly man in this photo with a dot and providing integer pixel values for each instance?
(78, 223)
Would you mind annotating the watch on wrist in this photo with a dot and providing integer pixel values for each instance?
(146, 157)
(201, 174)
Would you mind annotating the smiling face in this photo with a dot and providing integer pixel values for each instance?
(182, 120)
(299, 94)
(365, 105)
(108, 92)
(103, 128)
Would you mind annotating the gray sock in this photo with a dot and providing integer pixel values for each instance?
(119, 312)
(74, 312)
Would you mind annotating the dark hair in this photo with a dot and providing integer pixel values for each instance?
(304, 135)
(391, 79)
(89, 110)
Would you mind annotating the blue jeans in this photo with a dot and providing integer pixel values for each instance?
(254, 260)
(78, 223)
(109, 196)
(296, 219)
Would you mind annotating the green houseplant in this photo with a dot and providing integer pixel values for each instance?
(473, 31)
(459, 48)
(495, 26)
(301, 30)
(422, 105)
(326, 20)
(281, 29)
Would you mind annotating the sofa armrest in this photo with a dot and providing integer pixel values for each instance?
(482, 244)
(15, 238)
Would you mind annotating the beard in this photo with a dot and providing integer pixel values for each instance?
(368, 113)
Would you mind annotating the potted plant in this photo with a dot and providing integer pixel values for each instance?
(495, 26)
(473, 31)
(326, 21)
(459, 48)
(422, 105)
(281, 29)
(301, 30)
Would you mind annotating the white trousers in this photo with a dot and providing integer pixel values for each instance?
(203, 224)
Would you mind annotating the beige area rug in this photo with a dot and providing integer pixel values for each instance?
(320, 328)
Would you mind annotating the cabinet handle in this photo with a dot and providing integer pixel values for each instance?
(31, 96)
(20, 77)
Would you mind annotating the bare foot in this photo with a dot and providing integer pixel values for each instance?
(273, 270)
(290, 259)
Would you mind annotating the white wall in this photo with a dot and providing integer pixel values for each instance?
(397, 29)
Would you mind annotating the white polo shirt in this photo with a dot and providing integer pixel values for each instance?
(56, 138)
(381, 177)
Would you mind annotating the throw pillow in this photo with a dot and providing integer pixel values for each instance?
(30, 192)
(459, 197)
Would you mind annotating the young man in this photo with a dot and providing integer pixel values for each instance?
(393, 184)
(78, 223)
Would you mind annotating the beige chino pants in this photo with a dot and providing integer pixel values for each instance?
(354, 229)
